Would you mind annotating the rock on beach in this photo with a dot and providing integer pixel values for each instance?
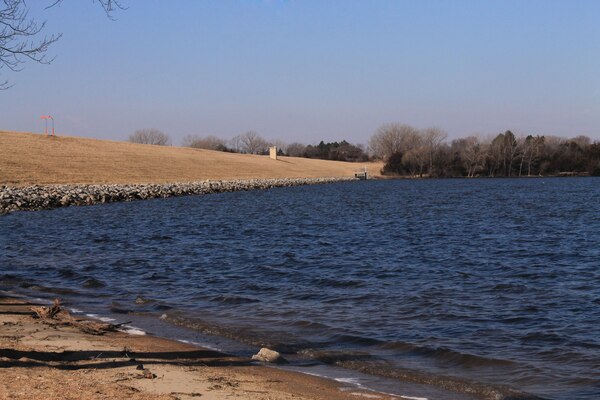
(270, 356)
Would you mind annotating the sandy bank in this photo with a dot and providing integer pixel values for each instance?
(41, 359)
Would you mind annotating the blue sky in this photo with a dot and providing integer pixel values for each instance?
(311, 70)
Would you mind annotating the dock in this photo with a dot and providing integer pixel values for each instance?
(361, 174)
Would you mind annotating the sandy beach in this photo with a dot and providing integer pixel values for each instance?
(55, 359)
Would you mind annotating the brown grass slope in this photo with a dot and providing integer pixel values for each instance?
(27, 158)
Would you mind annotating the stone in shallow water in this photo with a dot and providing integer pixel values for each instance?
(270, 356)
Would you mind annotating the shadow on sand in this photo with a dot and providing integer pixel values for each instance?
(98, 359)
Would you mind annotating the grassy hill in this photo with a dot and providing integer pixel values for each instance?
(27, 158)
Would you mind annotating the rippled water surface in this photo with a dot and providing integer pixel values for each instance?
(491, 281)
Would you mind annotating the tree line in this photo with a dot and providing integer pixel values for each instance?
(252, 143)
(426, 153)
(410, 152)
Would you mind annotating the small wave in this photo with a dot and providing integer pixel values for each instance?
(356, 340)
(143, 300)
(303, 296)
(67, 273)
(282, 342)
(335, 356)
(132, 330)
(118, 309)
(155, 276)
(93, 283)
(234, 299)
(448, 356)
(509, 287)
(260, 288)
(161, 307)
(55, 290)
(338, 283)
(308, 324)
(544, 337)
(373, 366)
(103, 239)
(9, 278)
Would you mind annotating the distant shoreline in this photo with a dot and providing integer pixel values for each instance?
(403, 177)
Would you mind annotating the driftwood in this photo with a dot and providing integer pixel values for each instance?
(47, 312)
(93, 327)
(66, 319)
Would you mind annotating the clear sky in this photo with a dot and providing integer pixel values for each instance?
(309, 70)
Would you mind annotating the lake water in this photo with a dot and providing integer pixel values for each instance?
(483, 281)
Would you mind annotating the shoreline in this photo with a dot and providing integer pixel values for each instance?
(36, 347)
(46, 197)
(53, 358)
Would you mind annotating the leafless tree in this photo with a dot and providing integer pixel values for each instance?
(392, 138)
(414, 151)
(535, 149)
(22, 39)
(582, 141)
(510, 151)
(432, 140)
(235, 144)
(472, 154)
(415, 159)
(252, 143)
(150, 136)
(296, 149)
(207, 142)
(108, 5)
(495, 155)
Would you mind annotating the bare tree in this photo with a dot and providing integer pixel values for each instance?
(207, 142)
(471, 153)
(108, 5)
(296, 149)
(392, 138)
(535, 149)
(432, 140)
(495, 155)
(510, 151)
(415, 160)
(150, 136)
(21, 38)
(17, 34)
(252, 143)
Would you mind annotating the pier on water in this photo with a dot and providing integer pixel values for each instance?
(361, 174)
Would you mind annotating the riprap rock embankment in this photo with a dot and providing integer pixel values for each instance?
(41, 197)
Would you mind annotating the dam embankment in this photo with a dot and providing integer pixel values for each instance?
(43, 197)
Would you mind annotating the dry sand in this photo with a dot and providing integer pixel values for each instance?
(52, 359)
(27, 158)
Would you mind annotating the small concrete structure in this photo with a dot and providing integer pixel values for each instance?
(273, 152)
(362, 174)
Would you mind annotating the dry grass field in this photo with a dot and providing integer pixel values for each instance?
(27, 158)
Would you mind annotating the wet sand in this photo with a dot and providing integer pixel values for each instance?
(55, 359)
